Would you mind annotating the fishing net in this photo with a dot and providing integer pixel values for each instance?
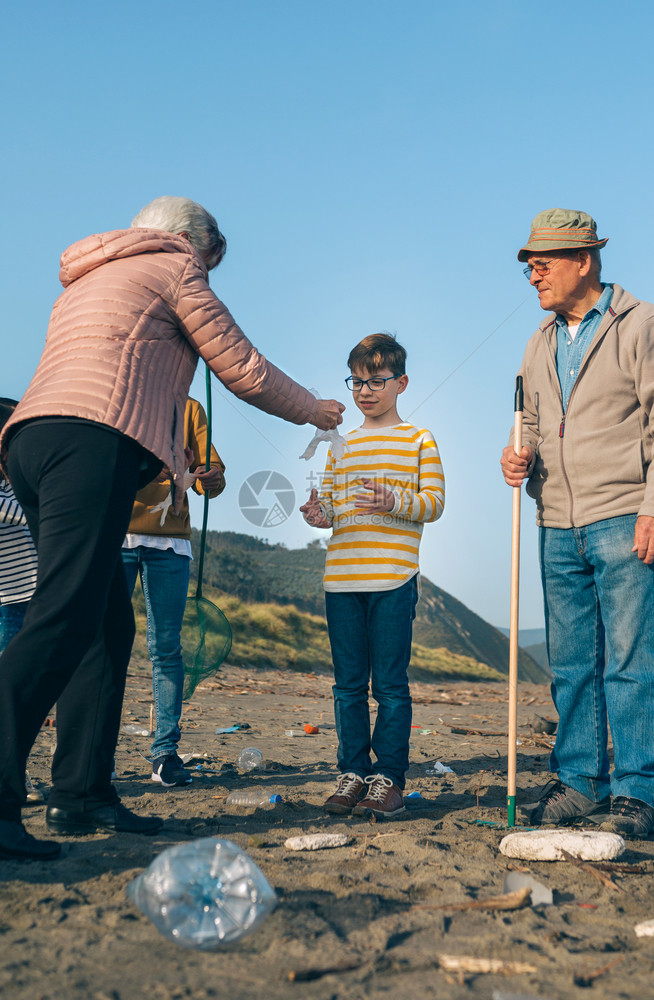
(206, 641)
(206, 633)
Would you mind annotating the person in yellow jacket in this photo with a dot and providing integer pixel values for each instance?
(158, 549)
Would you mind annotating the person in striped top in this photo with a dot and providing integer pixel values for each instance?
(17, 570)
(17, 553)
(375, 497)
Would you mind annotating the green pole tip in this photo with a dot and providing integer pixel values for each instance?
(510, 802)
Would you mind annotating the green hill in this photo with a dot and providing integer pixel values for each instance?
(273, 597)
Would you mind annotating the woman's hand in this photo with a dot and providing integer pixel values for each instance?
(328, 414)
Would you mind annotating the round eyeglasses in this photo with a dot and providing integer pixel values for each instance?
(375, 384)
(541, 267)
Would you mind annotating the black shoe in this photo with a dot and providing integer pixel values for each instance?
(17, 843)
(629, 817)
(170, 771)
(114, 817)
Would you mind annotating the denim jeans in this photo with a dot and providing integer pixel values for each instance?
(164, 578)
(370, 636)
(11, 619)
(599, 617)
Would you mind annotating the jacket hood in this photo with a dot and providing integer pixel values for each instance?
(91, 252)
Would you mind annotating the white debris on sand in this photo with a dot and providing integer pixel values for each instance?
(547, 845)
(317, 841)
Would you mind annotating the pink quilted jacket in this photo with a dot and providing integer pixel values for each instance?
(124, 339)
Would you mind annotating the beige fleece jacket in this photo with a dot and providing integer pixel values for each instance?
(596, 462)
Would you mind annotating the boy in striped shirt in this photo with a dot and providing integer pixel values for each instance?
(376, 498)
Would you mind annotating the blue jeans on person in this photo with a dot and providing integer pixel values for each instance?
(11, 619)
(370, 637)
(599, 618)
(164, 578)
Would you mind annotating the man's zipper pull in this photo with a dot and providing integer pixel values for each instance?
(562, 427)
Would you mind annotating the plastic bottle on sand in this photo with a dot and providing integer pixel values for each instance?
(203, 894)
(250, 759)
(134, 729)
(259, 797)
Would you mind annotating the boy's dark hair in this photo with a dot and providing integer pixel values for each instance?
(378, 351)
(7, 407)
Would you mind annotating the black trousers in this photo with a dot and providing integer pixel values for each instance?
(76, 483)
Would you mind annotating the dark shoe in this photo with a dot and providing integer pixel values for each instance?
(114, 817)
(629, 817)
(34, 795)
(558, 804)
(17, 843)
(349, 789)
(383, 798)
(170, 771)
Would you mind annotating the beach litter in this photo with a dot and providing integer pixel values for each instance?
(470, 963)
(501, 995)
(250, 759)
(542, 724)
(644, 929)
(540, 894)
(134, 729)
(552, 845)
(317, 841)
(203, 894)
(435, 769)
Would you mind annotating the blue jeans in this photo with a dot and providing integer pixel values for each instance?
(370, 636)
(164, 578)
(599, 617)
(11, 619)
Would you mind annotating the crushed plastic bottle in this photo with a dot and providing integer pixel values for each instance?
(253, 797)
(203, 894)
(250, 759)
(134, 729)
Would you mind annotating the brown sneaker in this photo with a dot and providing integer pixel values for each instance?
(349, 790)
(383, 798)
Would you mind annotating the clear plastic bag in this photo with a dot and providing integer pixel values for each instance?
(203, 894)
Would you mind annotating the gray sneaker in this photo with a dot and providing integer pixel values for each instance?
(558, 804)
(629, 817)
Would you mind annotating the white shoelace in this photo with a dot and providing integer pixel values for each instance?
(347, 783)
(379, 785)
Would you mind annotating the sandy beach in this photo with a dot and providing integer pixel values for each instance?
(375, 918)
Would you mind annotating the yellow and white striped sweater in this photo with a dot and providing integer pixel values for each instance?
(380, 551)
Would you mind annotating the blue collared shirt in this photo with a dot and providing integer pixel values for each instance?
(570, 353)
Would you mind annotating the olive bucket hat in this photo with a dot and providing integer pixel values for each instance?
(561, 229)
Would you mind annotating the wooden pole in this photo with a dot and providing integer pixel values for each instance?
(513, 624)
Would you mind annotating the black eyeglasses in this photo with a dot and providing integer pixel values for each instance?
(375, 384)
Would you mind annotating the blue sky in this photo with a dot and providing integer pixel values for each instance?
(375, 166)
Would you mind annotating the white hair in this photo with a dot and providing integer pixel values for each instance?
(181, 215)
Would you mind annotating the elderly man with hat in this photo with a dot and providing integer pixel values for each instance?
(588, 443)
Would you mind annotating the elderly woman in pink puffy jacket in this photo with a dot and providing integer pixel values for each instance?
(103, 413)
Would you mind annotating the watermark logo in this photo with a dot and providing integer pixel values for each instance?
(266, 499)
